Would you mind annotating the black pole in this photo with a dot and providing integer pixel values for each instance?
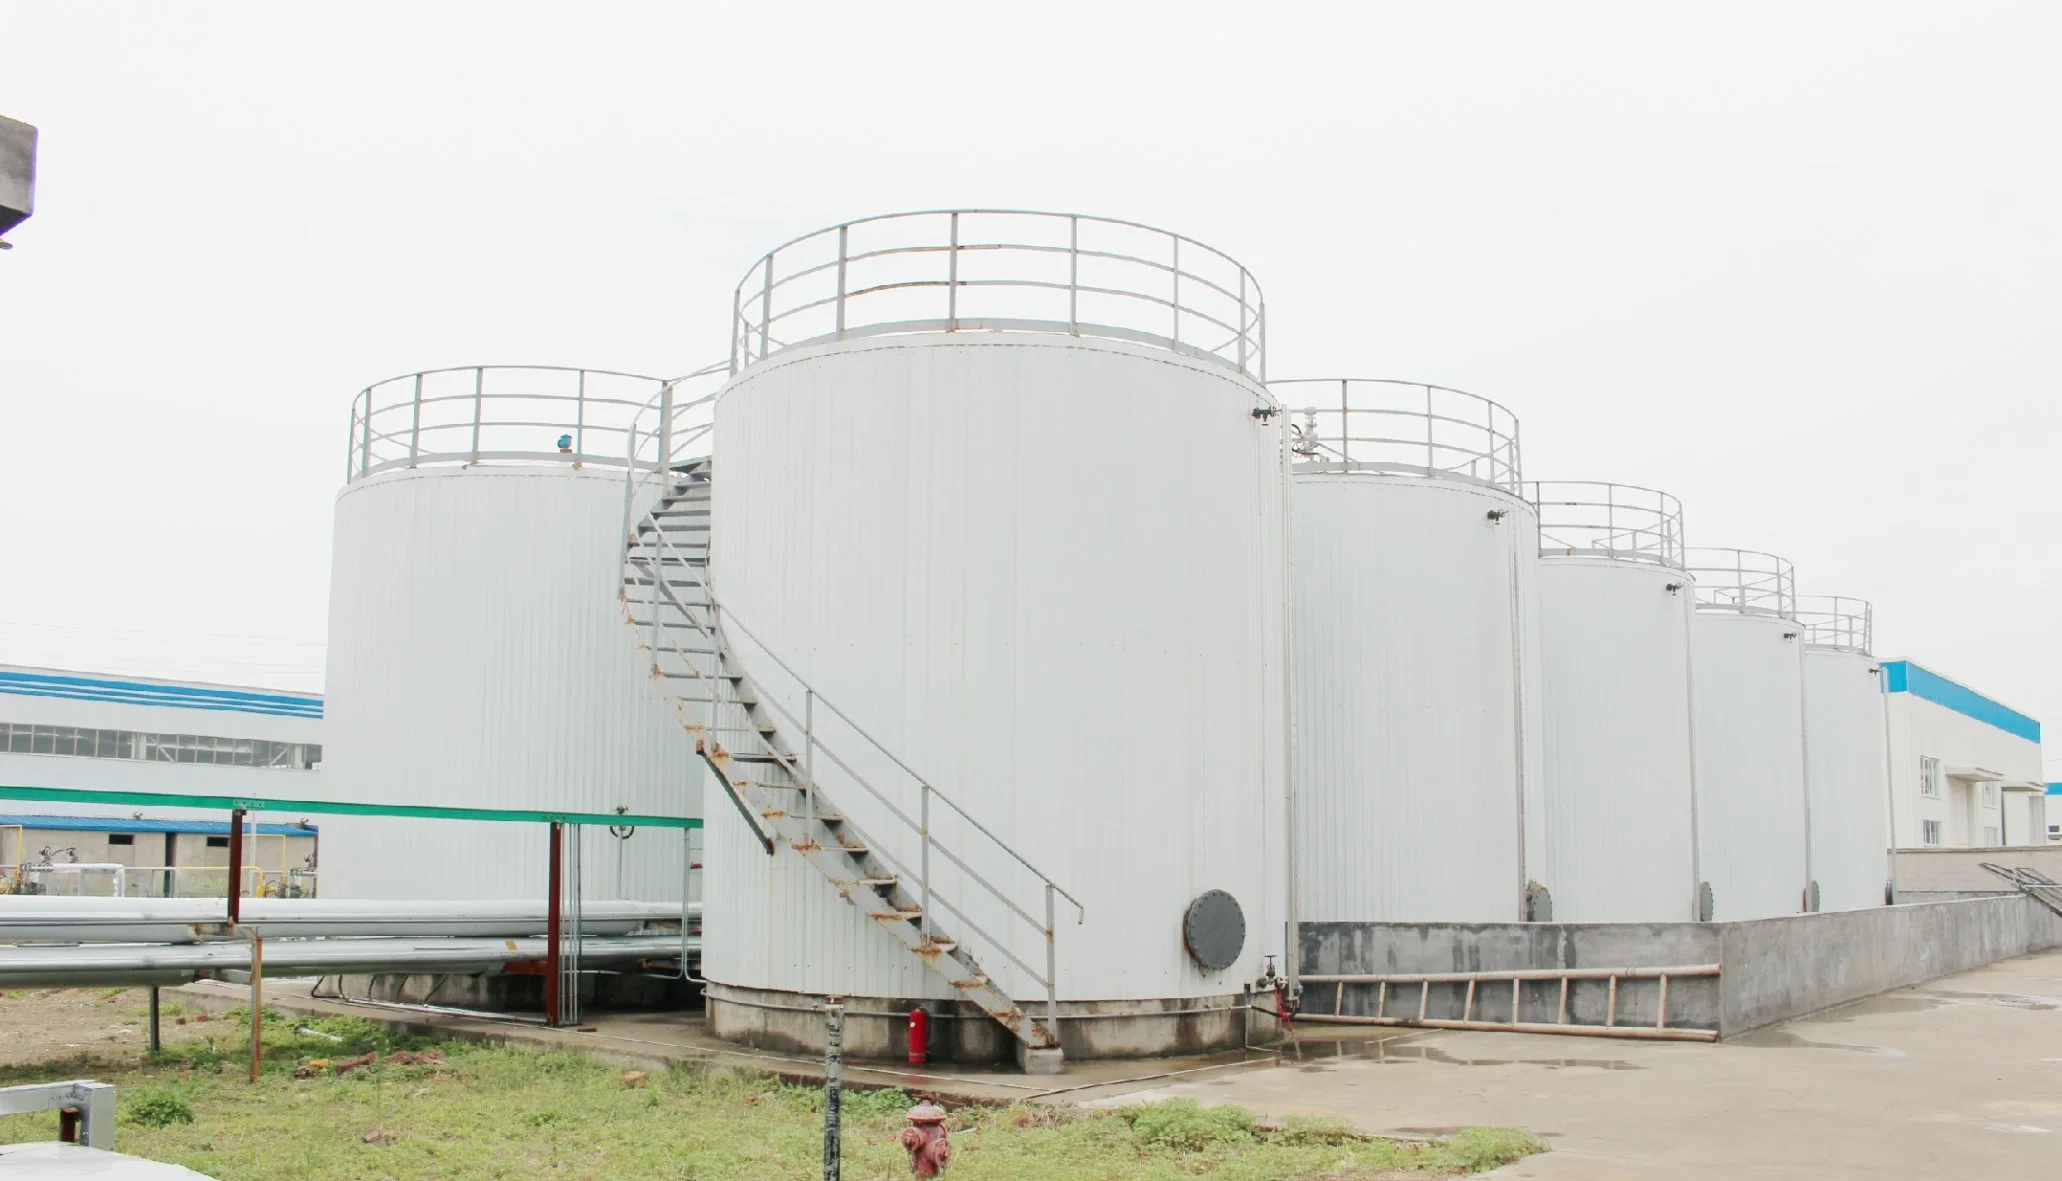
(155, 1045)
(833, 1089)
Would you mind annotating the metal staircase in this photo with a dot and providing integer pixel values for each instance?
(2044, 889)
(771, 762)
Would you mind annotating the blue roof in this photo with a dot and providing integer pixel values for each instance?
(213, 828)
(1902, 676)
(83, 688)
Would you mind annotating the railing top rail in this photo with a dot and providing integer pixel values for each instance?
(1390, 425)
(489, 414)
(1838, 622)
(1746, 582)
(1596, 518)
(1001, 270)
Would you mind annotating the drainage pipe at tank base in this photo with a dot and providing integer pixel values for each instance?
(111, 964)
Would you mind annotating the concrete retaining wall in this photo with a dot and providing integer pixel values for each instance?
(1772, 969)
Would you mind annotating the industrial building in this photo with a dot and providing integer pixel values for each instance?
(1965, 770)
(1030, 655)
(65, 731)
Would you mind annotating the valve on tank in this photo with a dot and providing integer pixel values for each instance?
(925, 1139)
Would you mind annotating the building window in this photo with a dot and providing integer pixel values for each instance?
(121, 838)
(1990, 835)
(1929, 832)
(223, 843)
(1929, 777)
(1990, 795)
(85, 742)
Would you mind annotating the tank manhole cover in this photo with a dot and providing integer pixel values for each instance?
(1215, 930)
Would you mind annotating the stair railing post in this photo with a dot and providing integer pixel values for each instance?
(923, 918)
(666, 435)
(809, 757)
(656, 566)
(479, 388)
(414, 425)
(1052, 971)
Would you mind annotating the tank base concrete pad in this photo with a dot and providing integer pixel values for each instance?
(878, 1027)
(1770, 970)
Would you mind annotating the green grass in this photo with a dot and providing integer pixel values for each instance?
(485, 1112)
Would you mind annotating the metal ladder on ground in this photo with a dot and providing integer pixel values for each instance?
(763, 755)
(2045, 890)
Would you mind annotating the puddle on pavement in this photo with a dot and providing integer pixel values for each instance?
(1784, 1039)
(1313, 1056)
(2005, 999)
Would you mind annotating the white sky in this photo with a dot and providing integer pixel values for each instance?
(1797, 263)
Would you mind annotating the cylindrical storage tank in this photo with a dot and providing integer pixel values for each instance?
(998, 504)
(478, 656)
(1611, 820)
(1748, 694)
(1414, 624)
(1845, 767)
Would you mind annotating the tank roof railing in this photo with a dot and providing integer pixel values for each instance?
(1381, 425)
(1625, 522)
(1746, 582)
(1838, 622)
(505, 414)
(1001, 270)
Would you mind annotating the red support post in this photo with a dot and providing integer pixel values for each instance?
(553, 966)
(235, 866)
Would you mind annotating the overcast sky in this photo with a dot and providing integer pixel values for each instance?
(1797, 263)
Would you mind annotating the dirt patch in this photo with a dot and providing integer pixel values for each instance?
(53, 1024)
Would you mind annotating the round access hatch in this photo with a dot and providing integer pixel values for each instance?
(1214, 930)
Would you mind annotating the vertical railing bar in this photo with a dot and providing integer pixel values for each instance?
(1424, 997)
(1431, 425)
(844, 239)
(740, 332)
(923, 918)
(952, 280)
(1073, 276)
(1468, 1009)
(365, 437)
(1052, 971)
(1611, 1014)
(1242, 321)
(1564, 1001)
(766, 308)
(1661, 1017)
(1382, 1000)
(1515, 999)
(1339, 999)
(479, 384)
(1174, 301)
(580, 417)
(415, 424)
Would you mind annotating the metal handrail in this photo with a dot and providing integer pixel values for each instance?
(684, 450)
(1838, 622)
(495, 414)
(927, 842)
(1747, 582)
(1001, 270)
(1406, 427)
(1624, 522)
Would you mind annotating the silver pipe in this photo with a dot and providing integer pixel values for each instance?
(137, 964)
(32, 918)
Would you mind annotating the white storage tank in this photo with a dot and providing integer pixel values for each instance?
(1611, 819)
(1747, 686)
(1845, 747)
(477, 652)
(1004, 492)
(1414, 622)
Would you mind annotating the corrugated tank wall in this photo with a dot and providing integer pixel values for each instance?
(1845, 768)
(1749, 713)
(1048, 574)
(1612, 830)
(478, 658)
(1416, 696)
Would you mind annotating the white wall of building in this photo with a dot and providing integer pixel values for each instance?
(1957, 759)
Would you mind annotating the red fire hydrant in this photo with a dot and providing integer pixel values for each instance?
(925, 1138)
(919, 1036)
